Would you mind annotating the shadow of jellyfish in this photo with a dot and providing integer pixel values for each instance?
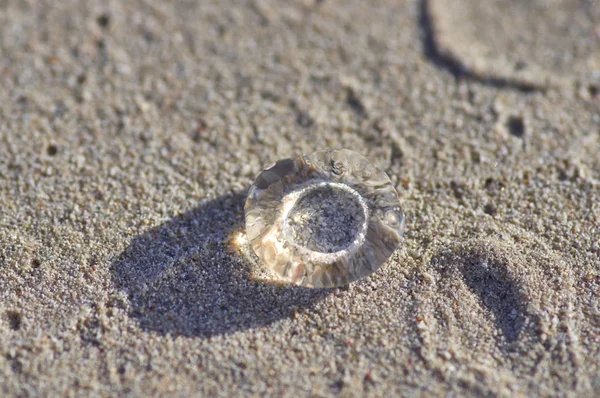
(184, 278)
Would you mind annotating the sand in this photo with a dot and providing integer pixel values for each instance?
(130, 132)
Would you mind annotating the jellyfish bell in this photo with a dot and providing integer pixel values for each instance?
(324, 219)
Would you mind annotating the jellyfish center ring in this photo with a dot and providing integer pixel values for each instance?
(325, 249)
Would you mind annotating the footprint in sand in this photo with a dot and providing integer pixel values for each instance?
(497, 307)
(533, 44)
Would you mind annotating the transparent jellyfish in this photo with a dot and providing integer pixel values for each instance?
(324, 219)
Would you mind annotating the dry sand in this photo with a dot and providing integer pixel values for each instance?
(130, 130)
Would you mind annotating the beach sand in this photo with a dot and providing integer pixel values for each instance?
(130, 132)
